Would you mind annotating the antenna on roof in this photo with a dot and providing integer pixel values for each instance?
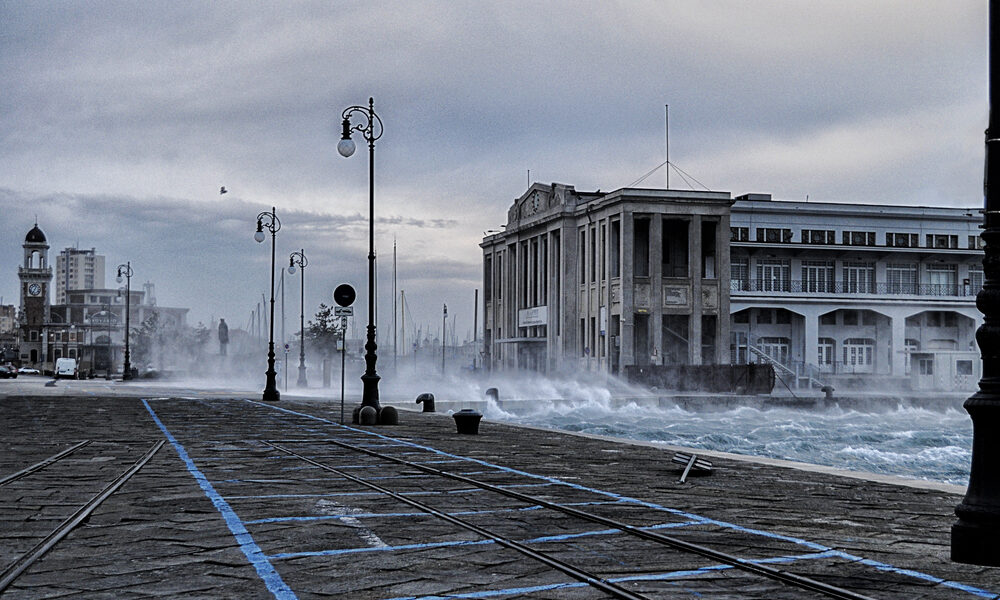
(666, 144)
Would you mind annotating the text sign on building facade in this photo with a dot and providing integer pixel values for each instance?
(533, 317)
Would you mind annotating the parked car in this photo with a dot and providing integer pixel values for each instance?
(8, 372)
(28, 371)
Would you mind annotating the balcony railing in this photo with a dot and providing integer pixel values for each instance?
(841, 288)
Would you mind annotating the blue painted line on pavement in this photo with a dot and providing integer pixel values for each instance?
(268, 574)
(410, 514)
(671, 575)
(693, 517)
(881, 566)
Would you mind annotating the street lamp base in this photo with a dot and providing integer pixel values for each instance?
(302, 382)
(975, 544)
(369, 394)
(271, 396)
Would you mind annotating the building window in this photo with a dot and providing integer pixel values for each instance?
(975, 279)
(819, 236)
(926, 366)
(674, 248)
(774, 274)
(942, 241)
(615, 249)
(942, 279)
(739, 273)
(859, 238)
(640, 248)
(963, 367)
(708, 249)
(825, 348)
(976, 242)
(858, 354)
(850, 317)
(33, 336)
(901, 278)
(902, 240)
(859, 277)
(739, 234)
(817, 276)
(775, 348)
(829, 318)
(774, 235)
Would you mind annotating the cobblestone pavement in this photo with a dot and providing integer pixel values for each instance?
(226, 510)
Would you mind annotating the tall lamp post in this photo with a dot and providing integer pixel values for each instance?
(269, 220)
(126, 271)
(299, 259)
(371, 129)
(974, 537)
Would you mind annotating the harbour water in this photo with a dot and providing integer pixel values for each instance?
(919, 439)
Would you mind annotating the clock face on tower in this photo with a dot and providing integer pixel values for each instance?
(34, 289)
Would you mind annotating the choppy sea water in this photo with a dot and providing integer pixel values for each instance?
(901, 440)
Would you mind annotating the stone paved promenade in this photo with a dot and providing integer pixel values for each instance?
(221, 513)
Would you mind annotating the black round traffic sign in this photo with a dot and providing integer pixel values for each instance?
(344, 295)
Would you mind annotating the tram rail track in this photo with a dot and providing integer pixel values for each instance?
(13, 570)
(43, 463)
(746, 565)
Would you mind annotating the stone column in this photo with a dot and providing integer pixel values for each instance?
(656, 286)
(697, 306)
(627, 350)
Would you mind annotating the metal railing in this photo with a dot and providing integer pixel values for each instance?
(795, 286)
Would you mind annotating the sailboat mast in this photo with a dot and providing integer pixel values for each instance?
(394, 353)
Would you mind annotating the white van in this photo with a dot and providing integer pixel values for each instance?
(67, 367)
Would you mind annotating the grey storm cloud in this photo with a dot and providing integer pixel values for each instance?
(119, 121)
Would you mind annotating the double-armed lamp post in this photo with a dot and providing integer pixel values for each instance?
(370, 127)
(126, 272)
(299, 259)
(269, 221)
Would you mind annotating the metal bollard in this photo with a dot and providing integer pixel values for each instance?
(427, 400)
(467, 421)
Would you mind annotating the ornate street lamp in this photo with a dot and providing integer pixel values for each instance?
(371, 129)
(299, 259)
(126, 271)
(974, 537)
(270, 221)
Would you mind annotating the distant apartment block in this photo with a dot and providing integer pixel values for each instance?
(77, 270)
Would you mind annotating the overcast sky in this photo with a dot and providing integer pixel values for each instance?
(120, 121)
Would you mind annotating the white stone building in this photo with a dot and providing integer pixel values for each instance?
(855, 294)
(600, 281)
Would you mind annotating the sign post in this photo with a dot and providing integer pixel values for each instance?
(344, 296)
(286, 368)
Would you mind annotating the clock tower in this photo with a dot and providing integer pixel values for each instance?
(35, 276)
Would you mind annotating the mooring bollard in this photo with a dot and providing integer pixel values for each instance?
(828, 390)
(493, 394)
(467, 421)
(427, 400)
(367, 415)
(388, 415)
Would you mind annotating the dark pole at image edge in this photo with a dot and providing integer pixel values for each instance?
(975, 538)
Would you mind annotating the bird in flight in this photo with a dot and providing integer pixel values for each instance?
(222, 190)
